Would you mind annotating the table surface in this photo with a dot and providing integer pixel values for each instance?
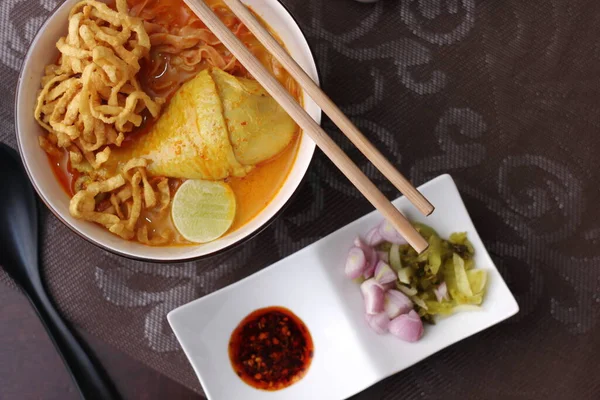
(32, 369)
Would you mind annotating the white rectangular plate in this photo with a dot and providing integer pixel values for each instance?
(349, 357)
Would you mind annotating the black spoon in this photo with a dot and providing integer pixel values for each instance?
(19, 257)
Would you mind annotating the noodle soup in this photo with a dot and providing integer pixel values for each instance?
(138, 204)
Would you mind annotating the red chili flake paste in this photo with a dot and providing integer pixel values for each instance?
(271, 349)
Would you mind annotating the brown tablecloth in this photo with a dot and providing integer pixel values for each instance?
(502, 94)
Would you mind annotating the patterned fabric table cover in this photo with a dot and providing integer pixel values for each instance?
(502, 94)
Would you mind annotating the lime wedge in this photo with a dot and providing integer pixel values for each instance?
(203, 211)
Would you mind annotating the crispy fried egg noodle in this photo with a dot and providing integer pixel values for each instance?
(91, 98)
(130, 192)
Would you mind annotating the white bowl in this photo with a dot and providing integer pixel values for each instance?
(43, 51)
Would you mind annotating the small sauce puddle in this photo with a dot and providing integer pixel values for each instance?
(271, 349)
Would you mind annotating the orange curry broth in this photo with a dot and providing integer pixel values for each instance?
(254, 191)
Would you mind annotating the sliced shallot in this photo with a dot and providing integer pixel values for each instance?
(356, 263)
(373, 237)
(371, 256)
(390, 234)
(384, 256)
(384, 273)
(373, 295)
(396, 303)
(369, 271)
(378, 322)
(441, 292)
(408, 327)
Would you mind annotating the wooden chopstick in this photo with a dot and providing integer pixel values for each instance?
(325, 143)
(329, 107)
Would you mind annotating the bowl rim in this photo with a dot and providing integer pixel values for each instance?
(178, 260)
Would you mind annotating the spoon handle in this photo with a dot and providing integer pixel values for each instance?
(88, 375)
